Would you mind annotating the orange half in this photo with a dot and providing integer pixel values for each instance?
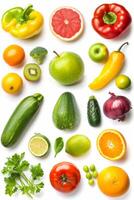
(111, 144)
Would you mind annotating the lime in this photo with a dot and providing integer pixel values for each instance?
(78, 145)
(39, 145)
(123, 81)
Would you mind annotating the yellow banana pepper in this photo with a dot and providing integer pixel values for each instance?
(22, 23)
(110, 70)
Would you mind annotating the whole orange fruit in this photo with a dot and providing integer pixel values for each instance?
(14, 55)
(12, 83)
(113, 181)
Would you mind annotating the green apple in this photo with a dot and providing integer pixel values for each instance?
(67, 68)
(98, 52)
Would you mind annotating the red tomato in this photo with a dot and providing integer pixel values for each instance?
(65, 177)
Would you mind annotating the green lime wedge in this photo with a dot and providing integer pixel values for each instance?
(39, 145)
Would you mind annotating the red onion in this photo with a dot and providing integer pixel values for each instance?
(116, 107)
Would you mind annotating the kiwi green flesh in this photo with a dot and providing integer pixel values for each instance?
(32, 72)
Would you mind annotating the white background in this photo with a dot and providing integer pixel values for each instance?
(51, 91)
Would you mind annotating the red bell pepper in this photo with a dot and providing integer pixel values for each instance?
(110, 20)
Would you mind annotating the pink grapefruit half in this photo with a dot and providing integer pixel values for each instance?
(66, 23)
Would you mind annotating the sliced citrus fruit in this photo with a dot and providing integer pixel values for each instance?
(66, 23)
(111, 144)
(39, 145)
(113, 181)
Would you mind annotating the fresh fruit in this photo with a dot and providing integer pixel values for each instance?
(39, 145)
(22, 23)
(91, 181)
(65, 177)
(77, 145)
(12, 83)
(20, 118)
(93, 112)
(110, 20)
(39, 54)
(111, 144)
(65, 112)
(116, 107)
(32, 72)
(66, 23)
(92, 167)
(14, 55)
(123, 81)
(67, 68)
(109, 71)
(98, 52)
(88, 175)
(95, 174)
(86, 168)
(113, 181)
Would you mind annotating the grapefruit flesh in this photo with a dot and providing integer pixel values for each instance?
(66, 23)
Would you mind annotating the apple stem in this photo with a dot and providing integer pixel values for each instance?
(56, 53)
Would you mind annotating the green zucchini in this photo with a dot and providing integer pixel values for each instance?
(20, 119)
(93, 112)
(66, 113)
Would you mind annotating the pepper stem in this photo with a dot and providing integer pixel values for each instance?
(26, 13)
(109, 18)
(56, 53)
(126, 43)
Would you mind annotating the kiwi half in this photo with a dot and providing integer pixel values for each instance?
(32, 72)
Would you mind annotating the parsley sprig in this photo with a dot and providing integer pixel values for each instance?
(16, 179)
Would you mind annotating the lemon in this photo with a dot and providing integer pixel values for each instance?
(39, 145)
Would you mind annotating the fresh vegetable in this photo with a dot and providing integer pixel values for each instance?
(67, 68)
(14, 55)
(20, 118)
(113, 181)
(98, 52)
(66, 23)
(12, 83)
(110, 20)
(91, 173)
(65, 177)
(65, 112)
(22, 23)
(77, 145)
(111, 144)
(32, 72)
(39, 54)
(93, 112)
(123, 81)
(110, 70)
(39, 145)
(116, 107)
(58, 145)
(17, 180)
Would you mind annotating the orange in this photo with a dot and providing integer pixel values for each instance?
(111, 144)
(12, 83)
(113, 181)
(14, 55)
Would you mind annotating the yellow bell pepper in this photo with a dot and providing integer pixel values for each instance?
(110, 70)
(22, 23)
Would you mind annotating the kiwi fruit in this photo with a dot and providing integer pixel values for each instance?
(32, 72)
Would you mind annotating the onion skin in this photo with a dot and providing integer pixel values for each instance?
(116, 107)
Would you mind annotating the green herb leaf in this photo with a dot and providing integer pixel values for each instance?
(10, 186)
(58, 145)
(36, 171)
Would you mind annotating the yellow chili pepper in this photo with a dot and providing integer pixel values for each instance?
(22, 23)
(110, 70)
